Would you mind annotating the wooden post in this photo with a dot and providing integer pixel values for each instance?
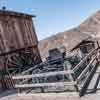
(83, 90)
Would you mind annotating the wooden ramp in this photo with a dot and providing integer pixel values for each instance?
(79, 77)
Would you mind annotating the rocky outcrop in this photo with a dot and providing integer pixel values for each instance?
(89, 28)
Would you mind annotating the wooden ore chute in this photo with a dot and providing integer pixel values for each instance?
(18, 41)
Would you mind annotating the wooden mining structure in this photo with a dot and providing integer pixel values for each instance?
(60, 73)
(18, 42)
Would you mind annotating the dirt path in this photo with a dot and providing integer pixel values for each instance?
(52, 96)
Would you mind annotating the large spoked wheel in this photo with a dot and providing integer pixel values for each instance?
(19, 62)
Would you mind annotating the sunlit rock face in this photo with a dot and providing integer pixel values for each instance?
(90, 28)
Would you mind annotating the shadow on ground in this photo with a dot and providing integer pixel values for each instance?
(7, 93)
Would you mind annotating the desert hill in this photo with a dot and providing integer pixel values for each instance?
(87, 29)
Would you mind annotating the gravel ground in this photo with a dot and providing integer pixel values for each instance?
(12, 95)
(52, 96)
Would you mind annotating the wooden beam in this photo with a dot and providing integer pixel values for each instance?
(45, 84)
(42, 74)
(83, 60)
(16, 50)
(30, 69)
(86, 69)
(88, 80)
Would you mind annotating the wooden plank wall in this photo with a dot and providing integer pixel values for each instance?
(16, 32)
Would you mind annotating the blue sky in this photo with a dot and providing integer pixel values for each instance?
(54, 15)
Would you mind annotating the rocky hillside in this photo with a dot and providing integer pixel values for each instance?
(89, 28)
